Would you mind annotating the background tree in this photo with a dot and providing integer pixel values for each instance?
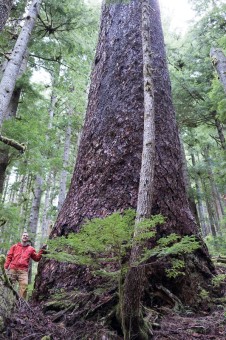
(12, 68)
(49, 51)
(5, 7)
(200, 106)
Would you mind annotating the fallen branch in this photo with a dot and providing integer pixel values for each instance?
(11, 142)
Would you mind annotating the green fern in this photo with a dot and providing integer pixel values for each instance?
(176, 269)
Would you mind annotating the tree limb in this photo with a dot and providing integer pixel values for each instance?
(11, 142)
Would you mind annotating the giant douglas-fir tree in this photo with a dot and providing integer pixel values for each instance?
(107, 172)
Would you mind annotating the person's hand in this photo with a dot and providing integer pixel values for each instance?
(44, 248)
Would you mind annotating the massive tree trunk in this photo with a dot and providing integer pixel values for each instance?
(106, 177)
(12, 69)
(5, 7)
(107, 172)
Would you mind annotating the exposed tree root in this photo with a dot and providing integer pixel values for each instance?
(177, 303)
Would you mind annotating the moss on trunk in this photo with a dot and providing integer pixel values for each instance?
(8, 295)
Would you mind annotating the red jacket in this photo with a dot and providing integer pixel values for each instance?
(18, 256)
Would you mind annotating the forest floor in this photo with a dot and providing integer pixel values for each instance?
(30, 323)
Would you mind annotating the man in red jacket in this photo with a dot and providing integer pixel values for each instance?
(17, 262)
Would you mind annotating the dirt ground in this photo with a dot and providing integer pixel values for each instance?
(30, 323)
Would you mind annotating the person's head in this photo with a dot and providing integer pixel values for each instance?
(25, 237)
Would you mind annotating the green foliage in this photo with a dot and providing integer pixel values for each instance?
(146, 228)
(10, 225)
(60, 55)
(99, 241)
(105, 244)
(216, 245)
(176, 269)
(218, 280)
(200, 106)
(183, 245)
(204, 295)
(171, 245)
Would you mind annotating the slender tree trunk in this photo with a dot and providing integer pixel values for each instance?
(34, 215)
(190, 196)
(132, 319)
(4, 162)
(219, 63)
(5, 187)
(210, 209)
(45, 219)
(11, 72)
(22, 193)
(214, 191)
(5, 8)
(53, 102)
(219, 128)
(199, 200)
(220, 204)
(5, 154)
(26, 209)
(64, 172)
